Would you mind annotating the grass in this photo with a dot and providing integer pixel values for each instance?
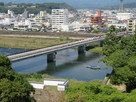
(29, 43)
(96, 50)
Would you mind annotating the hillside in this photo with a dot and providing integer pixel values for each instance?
(33, 8)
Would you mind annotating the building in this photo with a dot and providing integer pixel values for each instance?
(97, 20)
(131, 25)
(25, 14)
(43, 13)
(41, 17)
(11, 13)
(59, 17)
(124, 16)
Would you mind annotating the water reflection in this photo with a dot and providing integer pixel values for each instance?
(69, 64)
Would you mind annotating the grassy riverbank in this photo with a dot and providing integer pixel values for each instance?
(96, 50)
(30, 43)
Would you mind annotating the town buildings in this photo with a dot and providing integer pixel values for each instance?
(62, 20)
(59, 18)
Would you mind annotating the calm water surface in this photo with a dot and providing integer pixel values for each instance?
(69, 64)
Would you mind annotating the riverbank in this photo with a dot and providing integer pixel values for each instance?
(96, 50)
(30, 43)
(50, 93)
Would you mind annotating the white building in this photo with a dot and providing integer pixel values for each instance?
(59, 17)
(61, 84)
(26, 24)
(78, 26)
(8, 21)
(11, 13)
(124, 16)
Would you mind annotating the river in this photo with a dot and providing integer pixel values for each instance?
(69, 64)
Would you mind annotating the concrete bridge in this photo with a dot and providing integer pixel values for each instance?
(52, 51)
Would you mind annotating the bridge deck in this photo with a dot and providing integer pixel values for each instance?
(54, 48)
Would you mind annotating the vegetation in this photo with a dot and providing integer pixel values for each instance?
(121, 55)
(36, 77)
(96, 92)
(13, 87)
(29, 43)
(33, 8)
(96, 50)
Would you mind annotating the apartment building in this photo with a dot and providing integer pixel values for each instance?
(97, 20)
(131, 25)
(59, 18)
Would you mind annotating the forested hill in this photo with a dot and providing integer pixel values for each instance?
(33, 8)
(128, 5)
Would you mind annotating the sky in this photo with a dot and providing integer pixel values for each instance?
(76, 3)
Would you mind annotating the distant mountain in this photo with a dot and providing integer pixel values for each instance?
(33, 8)
(128, 5)
(83, 4)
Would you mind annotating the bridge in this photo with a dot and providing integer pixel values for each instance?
(52, 51)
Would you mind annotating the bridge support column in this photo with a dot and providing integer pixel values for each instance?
(101, 43)
(51, 57)
(81, 49)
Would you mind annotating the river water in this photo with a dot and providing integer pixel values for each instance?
(69, 64)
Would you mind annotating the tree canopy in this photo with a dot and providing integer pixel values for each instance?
(13, 87)
(121, 55)
(96, 92)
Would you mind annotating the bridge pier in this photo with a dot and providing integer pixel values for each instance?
(101, 43)
(81, 49)
(51, 57)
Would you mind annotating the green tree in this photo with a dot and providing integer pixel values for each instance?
(110, 44)
(93, 92)
(117, 59)
(121, 55)
(1, 4)
(5, 62)
(13, 86)
(112, 29)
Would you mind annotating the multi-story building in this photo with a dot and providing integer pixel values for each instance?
(131, 27)
(97, 20)
(59, 17)
(41, 18)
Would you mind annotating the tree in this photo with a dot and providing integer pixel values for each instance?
(11, 91)
(110, 44)
(5, 62)
(93, 92)
(121, 55)
(112, 29)
(1, 4)
(13, 86)
(117, 59)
